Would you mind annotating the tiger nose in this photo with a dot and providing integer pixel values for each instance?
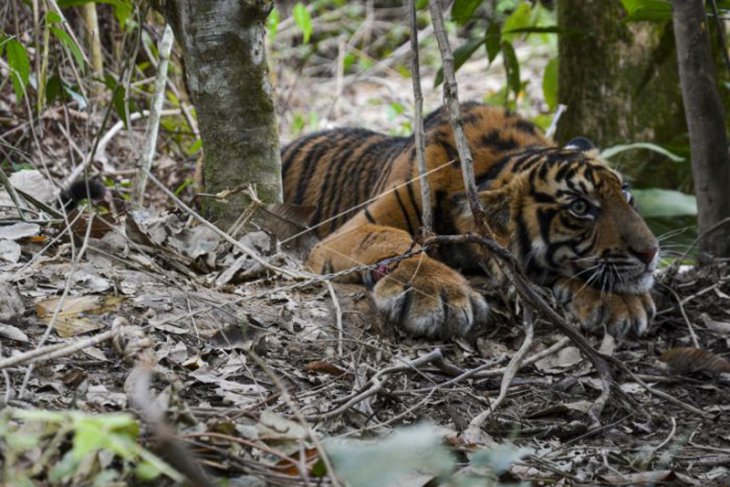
(646, 255)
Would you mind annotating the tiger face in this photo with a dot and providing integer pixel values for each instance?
(565, 213)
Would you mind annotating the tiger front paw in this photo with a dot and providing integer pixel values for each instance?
(428, 298)
(618, 314)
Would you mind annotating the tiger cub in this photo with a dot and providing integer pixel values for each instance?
(566, 215)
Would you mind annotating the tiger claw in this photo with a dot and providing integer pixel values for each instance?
(412, 298)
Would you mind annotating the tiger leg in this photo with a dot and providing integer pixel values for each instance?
(618, 313)
(419, 294)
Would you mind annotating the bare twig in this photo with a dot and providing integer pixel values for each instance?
(377, 382)
(418, 122)
(451, 100)
(153, 122)
(663, 395)
(51, 352)
(297, 414)
(556, 119)
(514, 365)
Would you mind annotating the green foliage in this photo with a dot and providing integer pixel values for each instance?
(19, 66)
(303, 19)
(22, 432)
(272, 24)
(462, 10)
(550, 84)
(652, 10)
(122, 8)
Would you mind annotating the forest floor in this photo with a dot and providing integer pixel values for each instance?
(248, 360)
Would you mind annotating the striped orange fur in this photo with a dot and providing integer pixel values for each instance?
(567, 216)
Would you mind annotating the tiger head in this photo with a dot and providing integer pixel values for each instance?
(564, 212)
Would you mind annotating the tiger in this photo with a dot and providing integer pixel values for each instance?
(568, 218)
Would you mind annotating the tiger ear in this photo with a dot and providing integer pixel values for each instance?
(581, 144)
(496, 205)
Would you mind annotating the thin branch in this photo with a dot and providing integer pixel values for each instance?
(418, 127)
(451, 100)
(153, 122)
(378, 381)
(514, 365)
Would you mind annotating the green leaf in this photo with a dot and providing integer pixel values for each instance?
(494, 35)
(303, 19)
(651, 10)
(19, 65)
(69, 43)
(87, 438)
(146, 471)
(512, 67)
(462, 10)
(617, 149)
(550, 84)
(53, 18)
(655, 202)
(519, 19)
(122, 8)
(461, 55)
(118, 95)
(272, 23)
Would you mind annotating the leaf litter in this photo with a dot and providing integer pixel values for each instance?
(207, 312)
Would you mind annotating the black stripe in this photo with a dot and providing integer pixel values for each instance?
(289, 153)
(310, 167)
(403, 210)
(497, 144)
(524, 126)
(406, 305)
(369, 216)
(541, 197)
(348, 181)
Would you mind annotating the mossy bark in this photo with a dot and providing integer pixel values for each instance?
(618, 79)
(227, 75)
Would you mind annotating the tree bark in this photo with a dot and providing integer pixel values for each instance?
(706, 123)
(619, 80)
(227, 75)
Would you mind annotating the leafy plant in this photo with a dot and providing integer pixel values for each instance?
(93, 441)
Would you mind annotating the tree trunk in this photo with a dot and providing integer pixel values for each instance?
(619, 80)
(706, 122)
(227, 75)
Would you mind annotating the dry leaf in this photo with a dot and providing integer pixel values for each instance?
(12, 333)
(16, 231)
(687, 360)
(320, 366)
(722, 327)
(71, 319)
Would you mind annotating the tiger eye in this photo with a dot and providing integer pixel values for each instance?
(579, 207)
